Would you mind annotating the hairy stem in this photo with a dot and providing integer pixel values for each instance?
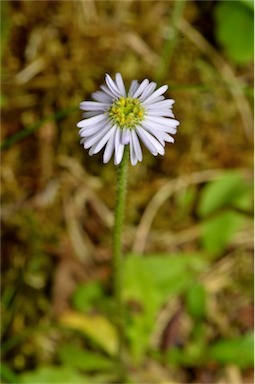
(117, 251)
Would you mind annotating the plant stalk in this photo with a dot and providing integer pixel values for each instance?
(117, 252)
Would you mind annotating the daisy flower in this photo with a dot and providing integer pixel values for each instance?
(117, 118)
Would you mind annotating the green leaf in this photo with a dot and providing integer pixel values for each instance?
(86, 360)
(185, 200)
(248, 3)
(238, 351)
(234, 30)
(149, 281)
(7, 374)
(222, 192)
(160, 275)
(219, 230)
(86, 295)
(53, 374)
(196, 301)
(191, 356)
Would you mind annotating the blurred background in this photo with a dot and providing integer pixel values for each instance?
(188, 238)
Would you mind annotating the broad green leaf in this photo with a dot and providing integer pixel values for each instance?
(196, 301)
(151, 280)
(234, 30)
(219, 230)
(7, 374)
(222, 193)
(248, 3)
(160, 275)
(86, 360)
(238, 351)
(52, 375)
(96, 327)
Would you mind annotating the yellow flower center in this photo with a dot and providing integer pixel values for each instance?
(126, 112)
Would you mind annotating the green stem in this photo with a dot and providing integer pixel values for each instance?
(117, 250)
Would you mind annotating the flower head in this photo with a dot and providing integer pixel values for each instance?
(117, 118)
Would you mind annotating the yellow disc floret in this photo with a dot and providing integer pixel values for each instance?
(126, 112)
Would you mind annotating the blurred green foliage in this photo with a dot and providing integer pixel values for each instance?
(187, 299)
(238, 351)
(235, 29)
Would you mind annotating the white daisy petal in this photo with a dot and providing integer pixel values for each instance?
(151, 125)
(119, 148)
(151, 102)
(150, 142)
(141, 88)
(162, 121)
(163, 112)
(109, 92)
(116, 118)
(109, 148)
(86, 131)
(93, 106)
(161, 104)
(98, 146)
(157, 93)
(136, 145)
(133, 157)
(90, 114)
(119, 154)
(120, 84)
(161, 136)
(125, 137)
(102, 97)
(148, 91)
(92, 120)
(133, 87)
(93, 139)
(111, 85)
